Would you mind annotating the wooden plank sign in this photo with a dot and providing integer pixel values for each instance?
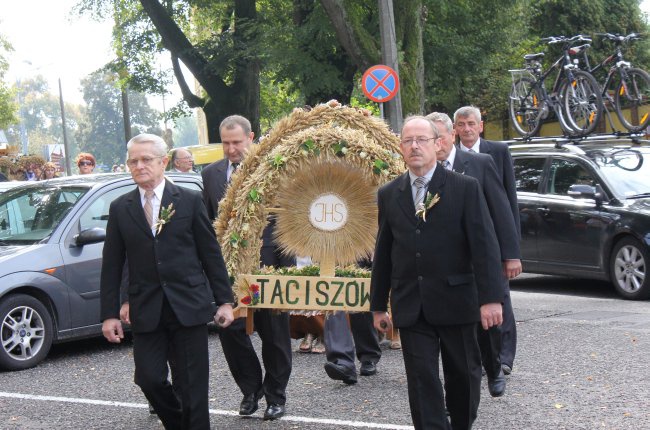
(304, 292)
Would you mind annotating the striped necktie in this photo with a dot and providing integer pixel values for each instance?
(148, 207)
(420, 184)
(446, 164)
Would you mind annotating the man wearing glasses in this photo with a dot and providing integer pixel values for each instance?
(176, 276)
(437, 257)
(182, 161)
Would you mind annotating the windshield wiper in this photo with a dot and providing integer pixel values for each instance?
(637, 196)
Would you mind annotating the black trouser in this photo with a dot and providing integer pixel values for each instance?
(244, 365)
(422, 344)
(191, 362)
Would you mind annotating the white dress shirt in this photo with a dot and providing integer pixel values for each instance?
(155, 202)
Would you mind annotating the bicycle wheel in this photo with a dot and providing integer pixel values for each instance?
(582, 103)
(632, 100)
(526, 107)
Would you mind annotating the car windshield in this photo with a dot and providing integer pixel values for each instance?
(627, 170)
(30, 214)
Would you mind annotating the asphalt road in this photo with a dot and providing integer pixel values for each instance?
(582, 363)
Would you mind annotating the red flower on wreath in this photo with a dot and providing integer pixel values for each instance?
(254, 288)
(246, 300)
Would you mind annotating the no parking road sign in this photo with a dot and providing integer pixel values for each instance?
(380, 83)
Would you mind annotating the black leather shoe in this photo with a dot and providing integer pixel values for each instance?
(507, 370)
(340, 373)
(497, 385)
(249, 404)
(152, 411)
(368, 368)
(273, 412)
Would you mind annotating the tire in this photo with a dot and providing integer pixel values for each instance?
(629, 269)
(526, 107)
(632, 100)
(26, 332)
(582, 103)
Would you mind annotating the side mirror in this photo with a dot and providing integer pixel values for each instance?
(580, 191)
(91, 235)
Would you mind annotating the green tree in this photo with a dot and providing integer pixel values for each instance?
(7, 106)
(185, 131)
(103, 133)
(40, 114)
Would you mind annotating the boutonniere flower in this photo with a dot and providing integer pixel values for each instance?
(166, 214)
(429, 202)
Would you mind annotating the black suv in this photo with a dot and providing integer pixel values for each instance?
(585, 209)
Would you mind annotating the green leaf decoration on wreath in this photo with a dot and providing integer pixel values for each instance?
(340, 148)
(236, 240)
(254, 196)
(309, 147)
(379, 166)
(278, 161)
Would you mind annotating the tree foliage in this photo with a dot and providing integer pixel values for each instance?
(7, 105)
(103, 133)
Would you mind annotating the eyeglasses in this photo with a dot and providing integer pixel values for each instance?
(144, 160)
(85, 163)
(420, 140)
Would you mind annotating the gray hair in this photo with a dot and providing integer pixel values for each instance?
(442, 118)
(466, 111)
(159, 145)
(233, 121)
(434, 128)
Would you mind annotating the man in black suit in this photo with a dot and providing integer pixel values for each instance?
(481, 167)
(440, 266)
(468, 126)
(176, 276)
(273, 329)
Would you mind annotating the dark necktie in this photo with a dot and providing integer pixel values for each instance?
(232, 172)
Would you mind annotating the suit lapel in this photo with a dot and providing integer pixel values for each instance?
(486, 147)
(405, 197)
(460, 163)
(170, 195)
(134, 208)
(436, 186)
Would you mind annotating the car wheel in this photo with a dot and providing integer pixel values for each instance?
(629, 269)
(26, 332)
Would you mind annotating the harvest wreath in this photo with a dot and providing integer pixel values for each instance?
(338, 152)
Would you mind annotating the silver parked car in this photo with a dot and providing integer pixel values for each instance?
(51, 240)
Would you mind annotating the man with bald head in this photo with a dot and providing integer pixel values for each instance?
(182, 161)
(436, 256)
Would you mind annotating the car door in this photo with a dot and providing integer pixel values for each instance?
(529, 171)
(83, 264)
(571, 230)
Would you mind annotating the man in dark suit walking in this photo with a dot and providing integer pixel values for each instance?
(481, 167)
(438, 258)
(176, 276)
(468, 125)
(273, 329)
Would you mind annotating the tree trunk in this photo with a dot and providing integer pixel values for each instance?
(241, 97)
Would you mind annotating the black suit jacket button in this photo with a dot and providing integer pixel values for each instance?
(419, 278)
(418, 255)
(417, 231)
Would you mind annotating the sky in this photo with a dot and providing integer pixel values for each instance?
(47, 40)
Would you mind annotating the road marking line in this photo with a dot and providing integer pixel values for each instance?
(358, 424)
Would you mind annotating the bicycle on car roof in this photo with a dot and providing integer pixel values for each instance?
(625, 88)
(574, 98)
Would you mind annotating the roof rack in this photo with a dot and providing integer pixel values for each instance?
(563, 140)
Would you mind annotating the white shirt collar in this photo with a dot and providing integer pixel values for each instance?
(158, 191)
(427, 175)
(476, 147)
(452, 155)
